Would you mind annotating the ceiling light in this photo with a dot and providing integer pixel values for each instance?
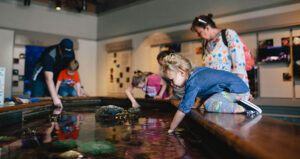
(58, 5)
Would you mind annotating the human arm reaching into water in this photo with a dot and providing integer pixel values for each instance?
(51, 88)
(128, 92)
(184, 107)
(176, 120)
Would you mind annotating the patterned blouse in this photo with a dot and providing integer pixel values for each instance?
(232, 58)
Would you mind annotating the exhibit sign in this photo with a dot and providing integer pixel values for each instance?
(2, 84)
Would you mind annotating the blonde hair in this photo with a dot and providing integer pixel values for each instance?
(73, 65)
(139, 76)
(174, 62)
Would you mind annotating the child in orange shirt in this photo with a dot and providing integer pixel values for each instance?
(68, 79)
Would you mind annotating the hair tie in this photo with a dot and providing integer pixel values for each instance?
(202, 21)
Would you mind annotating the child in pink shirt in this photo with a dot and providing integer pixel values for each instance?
(152, 84)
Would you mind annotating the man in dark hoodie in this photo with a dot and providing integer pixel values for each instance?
(54, 59)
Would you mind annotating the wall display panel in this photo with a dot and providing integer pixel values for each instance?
(118, 73)
(18, 70)
(271, 47)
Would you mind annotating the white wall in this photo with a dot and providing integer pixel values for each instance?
(161, 13)
(143, 56)
(87, 58)
(43, 19)
(251, 41)
(271, 83)
(6, 56)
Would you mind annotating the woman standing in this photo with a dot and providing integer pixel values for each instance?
(217, 55)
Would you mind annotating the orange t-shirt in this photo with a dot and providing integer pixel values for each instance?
(61, 135)
(68, 80)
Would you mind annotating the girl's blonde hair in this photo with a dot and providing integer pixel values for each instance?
(139, 76)
(174, 62)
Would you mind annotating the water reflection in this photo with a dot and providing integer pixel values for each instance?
(149, 139)
(144, 137)
(63, 126)
(234, 122)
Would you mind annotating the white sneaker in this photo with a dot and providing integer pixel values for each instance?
(249, 106)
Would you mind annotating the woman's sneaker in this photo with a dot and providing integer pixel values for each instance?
(250, 106)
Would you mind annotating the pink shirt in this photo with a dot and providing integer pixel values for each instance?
(153, 86)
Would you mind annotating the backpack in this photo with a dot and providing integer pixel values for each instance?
(249, 61)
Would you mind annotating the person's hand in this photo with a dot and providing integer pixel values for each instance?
(170, 131)
(157, 97)
(57, 110)
(135, 105)
(57, 102)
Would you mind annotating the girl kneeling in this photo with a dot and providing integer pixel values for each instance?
(221, 89)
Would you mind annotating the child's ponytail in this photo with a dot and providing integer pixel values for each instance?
(173, 62)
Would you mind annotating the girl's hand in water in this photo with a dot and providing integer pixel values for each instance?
(170, 131)
(135, 105)
(157, 97)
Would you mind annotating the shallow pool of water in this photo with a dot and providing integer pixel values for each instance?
(143, 137)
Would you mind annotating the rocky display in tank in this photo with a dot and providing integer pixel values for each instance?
(116, 113)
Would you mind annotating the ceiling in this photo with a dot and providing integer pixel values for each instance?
(93, 6)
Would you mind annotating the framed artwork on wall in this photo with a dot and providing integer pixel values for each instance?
(16, 61)
(22, 56)
(285, 41)
(15, 72)
(15, 83)
(21, 77)
(266, 43)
